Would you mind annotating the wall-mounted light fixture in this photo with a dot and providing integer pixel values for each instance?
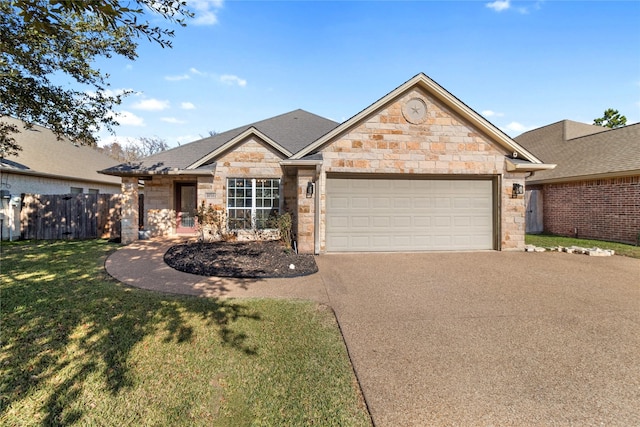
(517, 190)
(309, 190)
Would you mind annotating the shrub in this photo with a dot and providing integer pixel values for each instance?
(284, 224)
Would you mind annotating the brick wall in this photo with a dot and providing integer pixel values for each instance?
(603, 209)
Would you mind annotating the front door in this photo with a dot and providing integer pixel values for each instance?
(186, 201)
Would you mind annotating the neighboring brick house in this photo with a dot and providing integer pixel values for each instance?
(47, 165)
(594, 192)
(416, 170)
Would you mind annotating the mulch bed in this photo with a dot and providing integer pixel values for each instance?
(240, 259)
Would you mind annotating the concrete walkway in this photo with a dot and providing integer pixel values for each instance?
(141, 264)
(484, 338)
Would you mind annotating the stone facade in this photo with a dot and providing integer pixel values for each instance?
(442, 145)
(248, 159)
(305, 220)
(129, 215)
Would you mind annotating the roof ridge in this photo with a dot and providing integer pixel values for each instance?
(541, 127)
(605, 131)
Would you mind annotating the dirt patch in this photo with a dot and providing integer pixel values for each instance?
(240, 259)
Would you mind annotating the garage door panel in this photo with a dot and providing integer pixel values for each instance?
(402, 203)
(421, 222)
(406, 215)
(360, 203)
(422, 202)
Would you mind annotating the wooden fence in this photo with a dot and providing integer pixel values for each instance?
(70, 216)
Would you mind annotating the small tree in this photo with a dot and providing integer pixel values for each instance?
(131, 151)
(611, 119)
(47, 44)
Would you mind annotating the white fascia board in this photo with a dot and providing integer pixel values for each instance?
(244, 135)
(528, 167)
(441, 94)
(532, 181)
(298, 162)
(30, 172)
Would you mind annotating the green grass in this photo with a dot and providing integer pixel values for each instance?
(80, 348)
(548, 241)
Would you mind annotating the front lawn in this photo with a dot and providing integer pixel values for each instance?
(80, 348)
(548, 241)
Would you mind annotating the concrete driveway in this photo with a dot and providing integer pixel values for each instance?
(467, 339)
(491, 338)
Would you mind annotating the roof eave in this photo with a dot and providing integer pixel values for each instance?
(190, 172)
(300, 162)
(514, 166)
(560, 180)
(30, 172)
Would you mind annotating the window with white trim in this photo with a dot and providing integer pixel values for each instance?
(251, 201)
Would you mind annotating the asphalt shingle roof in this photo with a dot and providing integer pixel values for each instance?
(581, 150)
(293, 131)
(43, 153)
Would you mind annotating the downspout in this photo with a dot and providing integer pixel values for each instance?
(316, 219)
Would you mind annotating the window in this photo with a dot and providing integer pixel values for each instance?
(94, 191)
(251, 201)
(76, 190)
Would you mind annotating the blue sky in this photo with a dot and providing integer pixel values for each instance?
(522, 64)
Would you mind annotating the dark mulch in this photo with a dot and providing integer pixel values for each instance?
(240, 259)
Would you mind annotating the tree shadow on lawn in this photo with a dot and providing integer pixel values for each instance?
(64, 319)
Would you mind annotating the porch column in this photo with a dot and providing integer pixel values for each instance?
(513, 213)
(129, 218)
(306, 210)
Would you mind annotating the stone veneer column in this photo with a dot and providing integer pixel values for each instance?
(129, 218)
(513, 214)
(306, 213)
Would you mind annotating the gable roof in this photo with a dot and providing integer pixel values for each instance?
(423, 81)
(583, 151)
(286, 133)
(44, 155)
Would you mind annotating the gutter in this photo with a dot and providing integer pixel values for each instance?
(575, 178)
(517, 165)
(54, 176)
(305, 162)
(191, 172)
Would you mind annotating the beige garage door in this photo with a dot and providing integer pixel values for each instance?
(408, 215)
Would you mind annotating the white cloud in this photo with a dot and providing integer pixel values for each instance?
(229, 79)
(490, 113)
(172, 120)
(187, 106)
(151, 104)
(177, 78)
(515, 127)
(205, 11)
(197, 72)
(499, 5)
(127, 118)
